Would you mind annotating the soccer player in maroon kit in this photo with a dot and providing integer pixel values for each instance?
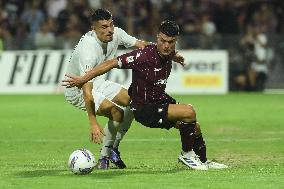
(151, 105)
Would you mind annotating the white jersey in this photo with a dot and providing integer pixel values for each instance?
(89, 52)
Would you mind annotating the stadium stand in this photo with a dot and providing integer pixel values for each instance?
(235, 25)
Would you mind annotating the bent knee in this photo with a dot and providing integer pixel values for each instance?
(116, 114)
(126, 102)
(189, 114)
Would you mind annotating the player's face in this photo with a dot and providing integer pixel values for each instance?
(165, 44)
(104, 30)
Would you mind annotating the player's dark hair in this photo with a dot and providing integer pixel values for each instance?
(100, 14)
(169, 28)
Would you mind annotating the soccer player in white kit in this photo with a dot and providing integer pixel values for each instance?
(100, 96)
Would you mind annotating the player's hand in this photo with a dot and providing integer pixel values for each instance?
(73, 81)
(97, 134)
(142, 44)
(179, 59)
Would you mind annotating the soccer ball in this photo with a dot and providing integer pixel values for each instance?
(81, 161)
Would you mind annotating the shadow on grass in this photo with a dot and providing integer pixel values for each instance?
(40, 173)
(98, 174)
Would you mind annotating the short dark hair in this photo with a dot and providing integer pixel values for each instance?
(169, 28)
(100, 14)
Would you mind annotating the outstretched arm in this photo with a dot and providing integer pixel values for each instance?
(79, 81)
(178, 58)
(96, 130)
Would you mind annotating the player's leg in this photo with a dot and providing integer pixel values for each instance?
(200, 150)
(186, 117)
(115, 115)
(123, 99)
(103, 107)
(106, 108)
(199, 146)
(110, 110)
(166, 116)
(117, 94)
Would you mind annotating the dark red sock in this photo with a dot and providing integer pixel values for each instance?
(187, 135)
(200, 148)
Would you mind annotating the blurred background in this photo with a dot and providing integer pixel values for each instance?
(251, 31)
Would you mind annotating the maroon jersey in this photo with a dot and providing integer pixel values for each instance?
(149, 75)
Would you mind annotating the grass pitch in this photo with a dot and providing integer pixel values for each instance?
(245, 131)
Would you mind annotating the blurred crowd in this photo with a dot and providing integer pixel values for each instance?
(37, 24)
(241, 26)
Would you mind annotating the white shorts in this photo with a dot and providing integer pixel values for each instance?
(102, 89)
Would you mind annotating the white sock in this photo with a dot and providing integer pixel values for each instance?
(110, 131)
(124, 126)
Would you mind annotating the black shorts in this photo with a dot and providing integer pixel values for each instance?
(154, 116)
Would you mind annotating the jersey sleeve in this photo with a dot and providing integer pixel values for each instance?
(126, 39)
(132, 60)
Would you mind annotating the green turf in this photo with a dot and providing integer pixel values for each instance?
(245, 131)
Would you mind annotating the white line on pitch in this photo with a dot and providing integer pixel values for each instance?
(145, 140)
